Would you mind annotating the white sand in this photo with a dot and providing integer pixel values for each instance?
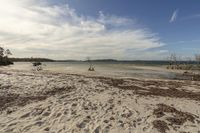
(61, 103)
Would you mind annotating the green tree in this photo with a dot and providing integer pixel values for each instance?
(4, 60)
(1, 52)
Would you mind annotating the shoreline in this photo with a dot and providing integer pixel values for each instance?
(56, 102)
(132, 71)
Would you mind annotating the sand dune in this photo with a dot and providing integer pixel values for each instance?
(60, 103)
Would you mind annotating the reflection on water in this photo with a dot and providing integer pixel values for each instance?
(101, 68)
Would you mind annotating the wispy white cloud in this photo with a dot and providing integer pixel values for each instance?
(195, 16)
(185, 41)
(36, 28)
(174, 16)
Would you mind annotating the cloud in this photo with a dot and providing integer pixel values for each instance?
(174, 16)
(37, 28)
(185, 41)
(195, 16)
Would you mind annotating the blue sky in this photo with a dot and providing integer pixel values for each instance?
(75, 29)
(182, 35)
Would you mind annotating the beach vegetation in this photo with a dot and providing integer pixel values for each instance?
(4, 57)
(190, 67)
(197, 58)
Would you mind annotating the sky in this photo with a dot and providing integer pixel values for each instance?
(100, 29)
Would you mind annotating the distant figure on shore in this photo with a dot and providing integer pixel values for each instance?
(38, 66)
(37, 63)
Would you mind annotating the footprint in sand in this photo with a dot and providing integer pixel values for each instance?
(39, 123)
(46, 114)
(47, 129)
(97, 130)
(25, 115)
(84, 122)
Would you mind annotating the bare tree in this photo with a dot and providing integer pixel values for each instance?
(188, 63)
(172, 60)
(197, 57)
(8, 53)
(91, 68)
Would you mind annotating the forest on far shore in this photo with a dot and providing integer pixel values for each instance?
(31, 60)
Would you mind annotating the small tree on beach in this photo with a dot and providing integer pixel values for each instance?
(188, 65)
(172, 61)
(8, 53)
(197, 57)
(174, 58)
(91, 68)
(4, 60)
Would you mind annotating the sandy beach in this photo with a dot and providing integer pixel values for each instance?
(41, 102)
(99, 66)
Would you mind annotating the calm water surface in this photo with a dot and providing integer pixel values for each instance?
(101, 68)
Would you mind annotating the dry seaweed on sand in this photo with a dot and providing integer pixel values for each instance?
(161, 126)
(176, 118)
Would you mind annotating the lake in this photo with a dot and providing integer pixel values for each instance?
(117, 69)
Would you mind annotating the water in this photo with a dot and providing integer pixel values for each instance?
(102, 68)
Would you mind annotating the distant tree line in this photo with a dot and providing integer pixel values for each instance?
(31, 60)
(4, 57)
